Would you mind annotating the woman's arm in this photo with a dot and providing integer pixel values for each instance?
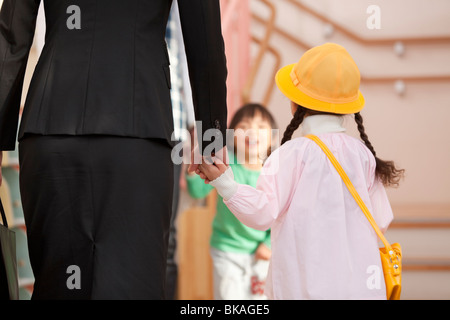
(17, 26)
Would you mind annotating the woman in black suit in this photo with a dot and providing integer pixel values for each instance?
(95, 136)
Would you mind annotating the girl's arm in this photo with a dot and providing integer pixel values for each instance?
(259, 207)
(381, 208)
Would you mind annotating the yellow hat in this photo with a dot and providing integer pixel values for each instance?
(325, 79)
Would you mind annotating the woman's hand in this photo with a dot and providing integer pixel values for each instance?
(210, 171)
(196, 158)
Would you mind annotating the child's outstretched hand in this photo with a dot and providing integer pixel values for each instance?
(220, 176)
(211, 171)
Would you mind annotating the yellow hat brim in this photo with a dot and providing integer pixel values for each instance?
(286, 86)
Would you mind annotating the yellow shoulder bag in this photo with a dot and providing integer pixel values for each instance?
(391, 255)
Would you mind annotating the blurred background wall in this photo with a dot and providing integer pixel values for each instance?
(405, 69)
(403, 51)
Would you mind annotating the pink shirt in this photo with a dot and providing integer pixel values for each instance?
(323, 246)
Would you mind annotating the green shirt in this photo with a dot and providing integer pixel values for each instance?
(228, 233)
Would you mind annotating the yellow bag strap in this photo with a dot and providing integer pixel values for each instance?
(352, 190)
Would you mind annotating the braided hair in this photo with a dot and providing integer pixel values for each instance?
(296, 121)
(299, 116)
(386, 171)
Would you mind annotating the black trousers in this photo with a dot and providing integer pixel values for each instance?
(97, 210)
(172, 266)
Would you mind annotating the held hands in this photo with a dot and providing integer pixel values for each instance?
(210, 168)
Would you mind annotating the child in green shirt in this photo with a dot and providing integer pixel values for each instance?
(240, 254)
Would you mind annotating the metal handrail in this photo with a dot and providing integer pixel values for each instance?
(420, 224)
(364, 78)
(361, 40)
(425, 264)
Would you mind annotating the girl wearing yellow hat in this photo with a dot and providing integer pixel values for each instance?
(323, 246)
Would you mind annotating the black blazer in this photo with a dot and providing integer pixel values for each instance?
(110, 76)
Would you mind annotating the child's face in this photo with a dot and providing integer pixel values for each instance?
(252, 137)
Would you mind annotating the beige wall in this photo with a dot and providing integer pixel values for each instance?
(413, 129)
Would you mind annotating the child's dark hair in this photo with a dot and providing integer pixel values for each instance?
(386, 171)
(249, 110)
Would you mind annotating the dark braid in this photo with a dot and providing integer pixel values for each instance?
(299, 115)
(362, 132)
(385, 170)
